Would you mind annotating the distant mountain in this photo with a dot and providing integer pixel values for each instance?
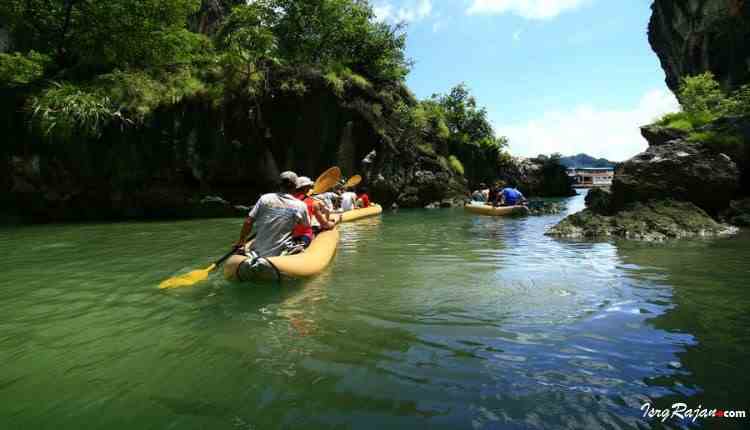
(585, 160)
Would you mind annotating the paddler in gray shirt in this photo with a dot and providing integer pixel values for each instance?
(274, 217)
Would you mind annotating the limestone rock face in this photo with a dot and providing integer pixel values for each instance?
(677, 170)
(694, 36)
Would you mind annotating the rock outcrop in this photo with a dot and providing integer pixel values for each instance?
(679, 170)
(657, 135)
(411, 179)
(694, 36)
(540, 176)
(651, 221)
(672, 190)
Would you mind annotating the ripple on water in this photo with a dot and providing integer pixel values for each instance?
(425, 318)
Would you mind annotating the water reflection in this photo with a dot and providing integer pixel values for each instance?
(708, 280)
(436, 319)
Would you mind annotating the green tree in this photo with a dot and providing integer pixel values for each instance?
(471, 136)
(103, 34)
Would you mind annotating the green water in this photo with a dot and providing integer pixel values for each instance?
(425, 319)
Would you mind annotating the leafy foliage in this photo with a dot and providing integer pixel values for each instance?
(104, 34)
(137, 94)
(64, 109)
(703, 101)
(469, 134)
(701, 96)
(456, 165)
(677, 120)
(17, 69)
(140, 55)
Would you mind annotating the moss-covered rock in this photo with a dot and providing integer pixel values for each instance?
(599, 201)
(542, 207)
(651, 221)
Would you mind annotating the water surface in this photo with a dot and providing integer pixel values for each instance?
(425, 319)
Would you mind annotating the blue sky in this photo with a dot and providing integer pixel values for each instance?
(555, 75)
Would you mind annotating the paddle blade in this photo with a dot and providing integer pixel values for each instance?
(187, 279)
(353, 181)
(327, 180)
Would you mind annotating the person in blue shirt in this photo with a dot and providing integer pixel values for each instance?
(510, 196)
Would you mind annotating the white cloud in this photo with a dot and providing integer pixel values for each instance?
(411, 11)
(613, 134)
(383, 12)
(517, 35)
(529, 9)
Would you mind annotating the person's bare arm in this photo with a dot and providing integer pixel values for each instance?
(323, 220)
(247, 227)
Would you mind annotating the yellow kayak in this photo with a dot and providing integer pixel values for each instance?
(308, 263)
(497, 211)
(355, 214)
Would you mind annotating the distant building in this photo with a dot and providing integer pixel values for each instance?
(592, 176)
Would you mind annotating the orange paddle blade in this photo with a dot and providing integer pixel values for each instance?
(353, 181)
(327, 180)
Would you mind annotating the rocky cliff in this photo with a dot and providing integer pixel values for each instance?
(194, 159)
(694, 36)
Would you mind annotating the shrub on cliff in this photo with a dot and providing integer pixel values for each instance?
(703, 101)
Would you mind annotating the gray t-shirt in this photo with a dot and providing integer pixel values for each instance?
(275, 216)
(348, 201)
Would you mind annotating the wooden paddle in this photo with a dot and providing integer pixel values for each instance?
(325, 181)
(353, 181)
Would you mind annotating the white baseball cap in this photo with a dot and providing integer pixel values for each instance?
(304, 181)
(288, 177)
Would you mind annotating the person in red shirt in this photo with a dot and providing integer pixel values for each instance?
(363, 200)
(304, 234)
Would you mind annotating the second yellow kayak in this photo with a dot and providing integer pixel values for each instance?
(355, 214)
(497, 211)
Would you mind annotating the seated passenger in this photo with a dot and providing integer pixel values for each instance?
(363, 200)
(510, 196)
(315, 210)
(478, 195)
(348, 200)
(274, 216)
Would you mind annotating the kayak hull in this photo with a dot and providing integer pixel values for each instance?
(497, 211)
(308, 263)
(355, 214)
